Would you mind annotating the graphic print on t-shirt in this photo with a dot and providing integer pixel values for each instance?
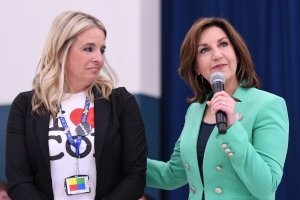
(75, 117)
(62, 154)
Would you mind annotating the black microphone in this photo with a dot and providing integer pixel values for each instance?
(217, 80)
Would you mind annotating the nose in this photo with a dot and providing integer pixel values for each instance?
(99, 57)
(217, 54)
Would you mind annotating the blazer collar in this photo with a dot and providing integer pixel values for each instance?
(240, 92)
(102, 109)
(42, 131)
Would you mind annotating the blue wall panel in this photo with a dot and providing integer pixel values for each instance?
(150, 109)
(3, 120)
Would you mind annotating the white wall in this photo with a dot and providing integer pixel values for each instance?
(133, 41)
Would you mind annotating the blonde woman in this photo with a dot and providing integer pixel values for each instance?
(74, 136)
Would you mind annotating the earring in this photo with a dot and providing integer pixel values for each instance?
(196, 79)
(240, 69)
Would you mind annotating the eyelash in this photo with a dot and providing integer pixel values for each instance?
(202, 50)
(90, 49)
(221, 45)
(226, 43)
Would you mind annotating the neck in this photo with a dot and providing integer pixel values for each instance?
(231, 87)
(74, 90)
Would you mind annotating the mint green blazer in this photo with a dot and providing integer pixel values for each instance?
(245, 163)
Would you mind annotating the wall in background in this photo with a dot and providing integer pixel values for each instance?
(133, 50)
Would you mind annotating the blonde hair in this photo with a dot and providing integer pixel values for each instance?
(49, 83)
(200, 85)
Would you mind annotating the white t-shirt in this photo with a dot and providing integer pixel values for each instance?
(62, 153)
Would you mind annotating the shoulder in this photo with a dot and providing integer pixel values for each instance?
(24, 97)
(121, 96)
(123, 102)
(120, 93)
(263, 96)
(263, 103)
(269, 108)
(195, 108)
(116, 94)
(22, 102)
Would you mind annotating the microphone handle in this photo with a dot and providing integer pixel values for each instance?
(221, 120)
(218, 86)
(221, 117)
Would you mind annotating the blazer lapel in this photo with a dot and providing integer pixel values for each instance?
(189, 138)
(102, 113)
(240, 94)
(42, 131)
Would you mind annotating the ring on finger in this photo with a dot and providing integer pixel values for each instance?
(223, 103)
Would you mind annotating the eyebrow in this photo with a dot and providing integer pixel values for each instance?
(204, 44)
(93, 44)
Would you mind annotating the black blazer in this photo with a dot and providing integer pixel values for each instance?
(120, 149)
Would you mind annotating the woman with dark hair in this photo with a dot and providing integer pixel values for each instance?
(247, 161)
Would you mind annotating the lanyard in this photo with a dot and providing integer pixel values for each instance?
(67, 129)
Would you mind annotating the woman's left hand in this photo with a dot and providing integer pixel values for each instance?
(222, 101)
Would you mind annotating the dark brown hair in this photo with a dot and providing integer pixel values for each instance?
(200, 86)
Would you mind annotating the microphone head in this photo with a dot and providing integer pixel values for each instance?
(217, 76)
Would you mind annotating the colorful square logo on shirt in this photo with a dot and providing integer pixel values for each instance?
(77, 185)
